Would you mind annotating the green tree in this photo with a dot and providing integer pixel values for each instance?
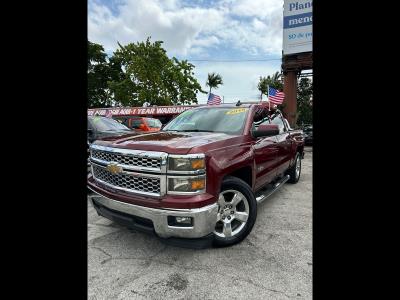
(142, 72)
(304, 101)
(187, 85)
(214, 80)
(98, 75)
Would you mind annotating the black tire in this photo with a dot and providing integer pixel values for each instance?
(294, 176)
(234, 183)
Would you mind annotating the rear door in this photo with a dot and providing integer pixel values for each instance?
(265, 154)
(284, 144)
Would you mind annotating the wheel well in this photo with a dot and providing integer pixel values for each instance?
(300, 149)
(245, 174)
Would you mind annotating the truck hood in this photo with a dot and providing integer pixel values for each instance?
(170, 142)
(113, 135)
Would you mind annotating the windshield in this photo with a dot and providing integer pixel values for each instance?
(154, 123)
(107, 124)
(219, 119)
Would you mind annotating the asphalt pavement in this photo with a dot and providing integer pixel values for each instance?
(273, 262)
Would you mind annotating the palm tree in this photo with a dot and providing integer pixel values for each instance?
(276, 77)
(273, 81)
(214, 80)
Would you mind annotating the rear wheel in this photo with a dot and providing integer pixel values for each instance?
(237, 212)
(295, 170)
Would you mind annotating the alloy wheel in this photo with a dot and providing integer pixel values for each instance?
(233, 213)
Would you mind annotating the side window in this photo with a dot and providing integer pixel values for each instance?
(261, 117)
(278, 121)
(266, 121)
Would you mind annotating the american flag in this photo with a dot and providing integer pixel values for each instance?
(213, 99)
(275, 96)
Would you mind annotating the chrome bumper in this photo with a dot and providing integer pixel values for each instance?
(204, 218)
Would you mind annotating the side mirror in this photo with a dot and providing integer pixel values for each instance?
(266, 130)
(141, 126)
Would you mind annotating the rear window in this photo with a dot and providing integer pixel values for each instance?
(154, 123)
(136, 123)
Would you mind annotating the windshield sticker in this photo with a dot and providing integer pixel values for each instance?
(235, 111)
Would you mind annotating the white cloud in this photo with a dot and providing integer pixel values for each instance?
(182, 28)
(162, 20)
(257, 8)
(259, 27)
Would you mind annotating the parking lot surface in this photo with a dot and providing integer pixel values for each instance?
(273, 262)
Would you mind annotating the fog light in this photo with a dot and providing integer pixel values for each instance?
(183, 220)
(180, 221)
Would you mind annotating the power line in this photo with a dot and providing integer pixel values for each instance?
(233, 60)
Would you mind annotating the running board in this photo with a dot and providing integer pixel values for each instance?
(264, 194)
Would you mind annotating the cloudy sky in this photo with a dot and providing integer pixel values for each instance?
(229, 37)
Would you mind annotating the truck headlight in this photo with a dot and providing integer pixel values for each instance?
(186, 184)
(192, 163)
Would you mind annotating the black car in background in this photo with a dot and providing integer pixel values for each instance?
(102, 127)
(308, 135)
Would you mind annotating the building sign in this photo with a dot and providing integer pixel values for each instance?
(154, 111)
(297, 26)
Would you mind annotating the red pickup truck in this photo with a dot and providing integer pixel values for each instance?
(199, 180)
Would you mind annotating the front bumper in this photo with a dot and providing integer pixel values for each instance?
(204, 218)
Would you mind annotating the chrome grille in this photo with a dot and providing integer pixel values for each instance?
(127, 159)
(134, 183)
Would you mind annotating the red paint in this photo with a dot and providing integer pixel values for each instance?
(265, 157)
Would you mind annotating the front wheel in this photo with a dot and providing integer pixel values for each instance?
(237, 212)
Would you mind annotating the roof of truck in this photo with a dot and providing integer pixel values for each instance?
(225, 105)
(246, 105)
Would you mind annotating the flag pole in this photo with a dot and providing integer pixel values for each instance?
(269, 102)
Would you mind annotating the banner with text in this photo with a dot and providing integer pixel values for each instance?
(140, 111)
(297, 26)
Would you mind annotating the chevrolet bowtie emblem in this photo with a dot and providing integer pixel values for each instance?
(114, 168)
